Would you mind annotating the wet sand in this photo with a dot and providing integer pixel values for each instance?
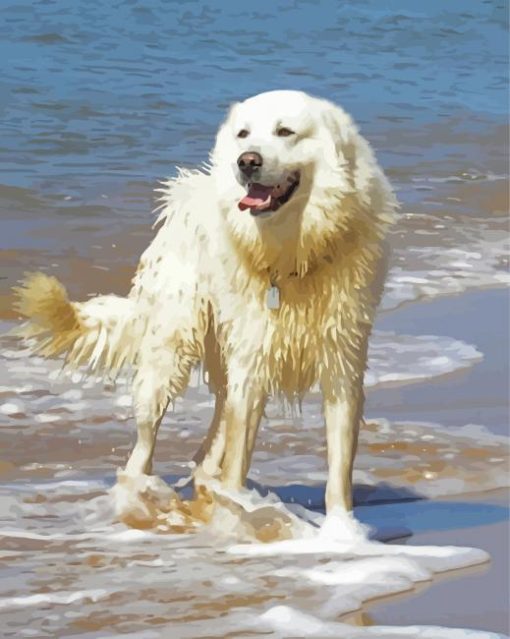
(479, 395)
(475, 598)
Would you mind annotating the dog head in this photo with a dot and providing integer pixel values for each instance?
(293, 176)
(275, 147)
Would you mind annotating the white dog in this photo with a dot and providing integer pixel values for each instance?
(267, 267)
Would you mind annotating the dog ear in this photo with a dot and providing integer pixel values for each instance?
(224, 138)
(344, 134)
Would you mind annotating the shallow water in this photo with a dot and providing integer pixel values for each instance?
(101, 100)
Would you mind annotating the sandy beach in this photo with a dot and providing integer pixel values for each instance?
(473, 598)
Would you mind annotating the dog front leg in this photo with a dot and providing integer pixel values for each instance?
(342, 412)
(244, 407)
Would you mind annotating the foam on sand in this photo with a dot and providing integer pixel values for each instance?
(284, 621)
(352, 569)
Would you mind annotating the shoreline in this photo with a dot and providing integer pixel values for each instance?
(479, 394)
(475, 598)
(383, 313)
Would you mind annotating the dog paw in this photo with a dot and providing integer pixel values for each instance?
(146, 501)
(341, 526)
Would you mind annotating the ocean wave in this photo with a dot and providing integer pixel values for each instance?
(438, 255)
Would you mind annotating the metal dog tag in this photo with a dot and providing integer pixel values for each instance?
(273, 298)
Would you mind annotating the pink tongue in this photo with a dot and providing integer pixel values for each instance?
(258, 197)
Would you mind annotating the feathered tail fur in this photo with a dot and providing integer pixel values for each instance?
(97, 334)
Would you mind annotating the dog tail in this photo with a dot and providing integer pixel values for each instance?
(97, 334)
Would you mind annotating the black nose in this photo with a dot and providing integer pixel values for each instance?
(249, 162)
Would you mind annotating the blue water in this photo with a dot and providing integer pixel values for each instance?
(103, 98)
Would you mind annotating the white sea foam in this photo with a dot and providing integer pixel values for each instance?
(437, 558)
(49, 537)
(11, 408)
(286, 621)
(403, 358)
(458, 257)
(61, 598)
(355, 569)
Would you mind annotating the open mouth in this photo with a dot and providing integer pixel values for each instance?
(261, 198)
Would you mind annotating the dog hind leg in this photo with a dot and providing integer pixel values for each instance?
(209, 457)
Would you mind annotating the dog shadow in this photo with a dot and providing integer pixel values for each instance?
(396, 512)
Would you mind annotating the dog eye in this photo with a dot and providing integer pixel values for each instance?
(283, 132)
(243, 133)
